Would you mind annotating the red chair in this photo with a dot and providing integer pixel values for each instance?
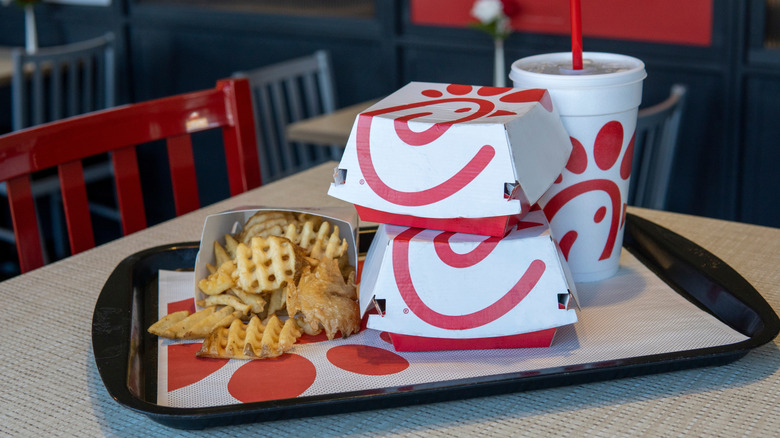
(63, 144)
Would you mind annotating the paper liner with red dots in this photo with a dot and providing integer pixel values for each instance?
(631, 314)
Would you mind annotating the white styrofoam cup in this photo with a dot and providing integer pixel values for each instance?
(586, 205)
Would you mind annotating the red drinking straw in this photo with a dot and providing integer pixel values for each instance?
(576, 34)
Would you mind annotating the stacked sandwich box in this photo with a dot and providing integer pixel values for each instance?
(452, 172)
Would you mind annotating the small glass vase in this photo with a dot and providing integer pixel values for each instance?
(30, 31)
(499, 68)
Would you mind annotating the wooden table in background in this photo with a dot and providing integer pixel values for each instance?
(6, 66)
(328, 129)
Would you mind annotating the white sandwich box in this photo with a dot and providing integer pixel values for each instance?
(452, 157)
(436, 290)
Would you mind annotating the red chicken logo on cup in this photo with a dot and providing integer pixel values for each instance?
(476, 105)
(607, 150)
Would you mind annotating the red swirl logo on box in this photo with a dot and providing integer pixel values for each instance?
(476, 105)
(444, 252)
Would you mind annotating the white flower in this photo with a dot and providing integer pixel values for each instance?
(487, 11)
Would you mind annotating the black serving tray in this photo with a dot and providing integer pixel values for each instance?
(126, 355)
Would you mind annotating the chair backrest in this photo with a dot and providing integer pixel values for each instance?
(655, 144)
(62, 81)
(284, 93)
(63, 144)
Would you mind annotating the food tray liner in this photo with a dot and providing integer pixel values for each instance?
(671, 306)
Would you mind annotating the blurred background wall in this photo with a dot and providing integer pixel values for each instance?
(725, 51)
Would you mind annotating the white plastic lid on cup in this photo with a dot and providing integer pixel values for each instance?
(609, 83)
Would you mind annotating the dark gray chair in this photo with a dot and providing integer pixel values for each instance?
(655, 145)
(58, 82)
(284, 93)
(62, 81)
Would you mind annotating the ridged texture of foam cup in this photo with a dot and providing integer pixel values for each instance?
(584, 94)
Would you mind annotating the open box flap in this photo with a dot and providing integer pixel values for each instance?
(533, 158)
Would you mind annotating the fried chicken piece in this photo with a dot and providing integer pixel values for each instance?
(325, 300)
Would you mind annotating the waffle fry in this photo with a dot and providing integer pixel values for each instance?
(325, 300)
(272, 343)
(199, 324)
(264, 224)
(220, 280)
(220, 254)
(329, 246)
(302, 218)
(159, 327)
(251, 341)
(268, 265)
(277, 301)
(302, 236)
(225, 300)
(255, 302)
(280, 263)
(221, 343)
(230, 246)
(289, 335)
(320, 243)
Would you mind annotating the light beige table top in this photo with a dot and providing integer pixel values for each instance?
(50, 383)
(6, 66)
(328, 129)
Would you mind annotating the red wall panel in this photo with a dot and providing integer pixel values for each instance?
(686, 22)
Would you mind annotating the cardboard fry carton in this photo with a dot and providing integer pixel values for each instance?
(231, 222)
(437, 290)
(452, 157)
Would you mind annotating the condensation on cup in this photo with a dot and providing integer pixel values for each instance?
(598, 106)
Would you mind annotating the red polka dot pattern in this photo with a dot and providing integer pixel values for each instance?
(600, 214)
(385, 336)
(609, 142)
(492, 91)
(625, 165)
(500, 113)
(459, 90)
(308, 339)
(184, 368)
(578, 160)
(177, 306)
(566, 243)
(367, 360)
(272, 379)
